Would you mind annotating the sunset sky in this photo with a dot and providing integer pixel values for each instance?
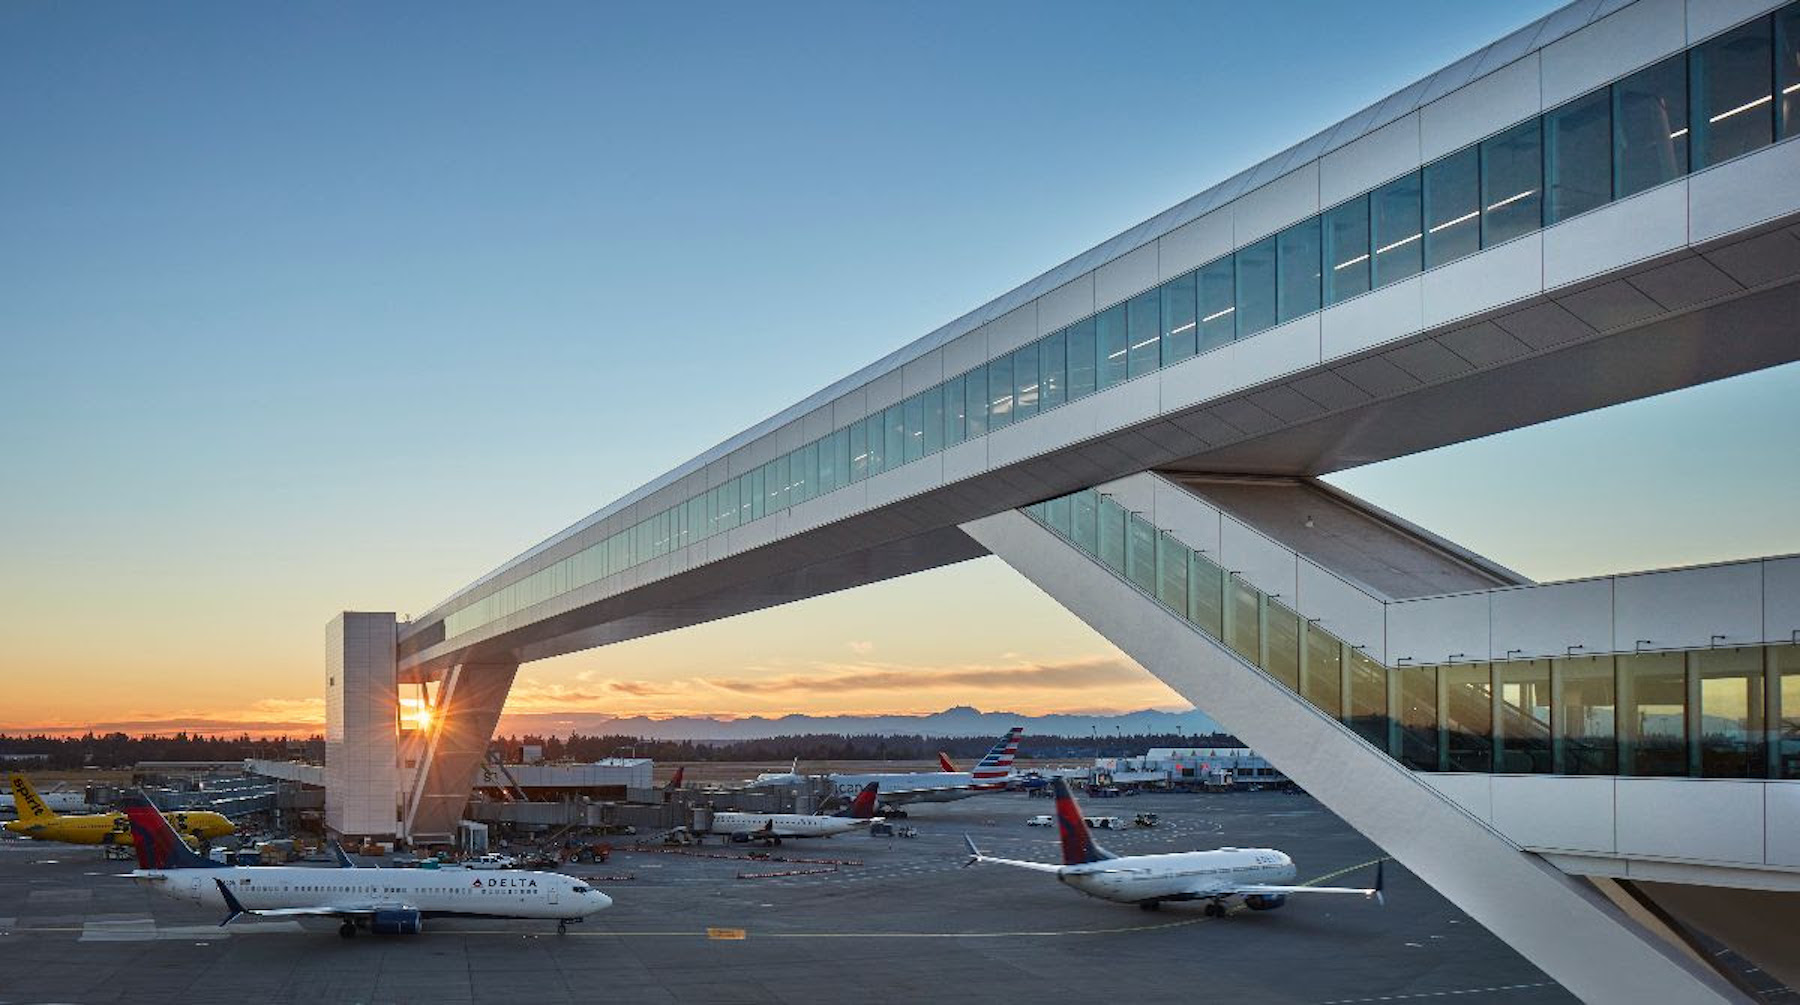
(312, 308)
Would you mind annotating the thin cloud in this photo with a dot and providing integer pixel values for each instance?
(1072, 675)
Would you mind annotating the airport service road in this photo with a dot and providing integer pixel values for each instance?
(908, 925)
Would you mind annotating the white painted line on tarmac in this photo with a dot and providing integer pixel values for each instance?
(1440, 994)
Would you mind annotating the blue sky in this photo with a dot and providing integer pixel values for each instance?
(316, 306)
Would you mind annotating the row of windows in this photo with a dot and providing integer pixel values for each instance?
(1713, 713)
(1726, 97)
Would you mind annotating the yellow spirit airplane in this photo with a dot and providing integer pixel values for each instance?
(38, 821)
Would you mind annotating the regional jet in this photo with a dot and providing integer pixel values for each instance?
(900, 788)
(384, 901)
(770, 828)
(1263, 877)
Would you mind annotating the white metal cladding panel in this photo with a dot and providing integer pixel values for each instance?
(1488, 279)
(1280, 350)
(1547, 620)
(1125, 404)
(1500, 99)
(1194, 244)
(924, 372)
(1474, 793)
(1708, 17)
(883, 391)
(965, 460)
(1744, 192)
(1383, 155)
(1781, 820)
(789, 437)
(1136, 493)
(1781, 602)
(1342, 609)
(1126, 275)
(1611, 47)
(1710, 819)
(1193, 521)
(907, 480)
(1689, 608)
(1199, 378)
(1261, 562)
(1281, 203)
(965, 353)
(1069, 302)
(1379, 316)
(1011, 330)
(851, 406)
(1438, 629)
(1556, 811)
(1630, 230)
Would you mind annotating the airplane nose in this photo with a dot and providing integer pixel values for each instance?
(598, 901)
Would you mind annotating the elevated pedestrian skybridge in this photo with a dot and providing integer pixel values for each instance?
(1586, 213)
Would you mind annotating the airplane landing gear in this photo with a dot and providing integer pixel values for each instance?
(1150, 905)
(562, 928)
(347, 930)
(1214, 909)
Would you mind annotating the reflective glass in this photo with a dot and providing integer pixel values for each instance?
(1347, 250)
(1297, 257)
(828, 464)
(1053, 380)
(1417, 717)
(1367, 715)
(1143, 332)
(975, 402)
(1512, 182)
(1524, 726)
(1110, 338)
(1468, 717)
(1395, 230)
(1787, 729)
(1586, 714)
(1172, 574)
(1082, 374)
(1650, 127)
(1206, 602)
(808, 478)
(1000, 392)
(1056, 514)
(953, 411)
(1452, 202)
(1653, 714)
(1732, 717)
(1281, 643)
(894, 448)
(1255, 287)
(1140, 553)
(759, 501)
(1729, 81)
(1578, 156)
(1084, 518)
(1218, 304)
(1787, 72)
(933, 419)
(1025, 383)
(1243, 620)
(1111, 551)
(877, 424)
(1178, 318)
(915, 428)
(1322, 674)
(859, 450)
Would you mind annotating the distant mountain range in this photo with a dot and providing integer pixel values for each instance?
(959, 721)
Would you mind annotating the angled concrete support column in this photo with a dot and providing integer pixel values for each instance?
(1558, 922)
(467, 708)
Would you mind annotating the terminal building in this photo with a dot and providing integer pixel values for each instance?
(1605, 772)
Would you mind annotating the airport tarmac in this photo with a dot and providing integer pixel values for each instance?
(907, 924)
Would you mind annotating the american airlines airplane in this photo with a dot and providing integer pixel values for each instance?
(772, 827)
(900, 788)
(1261, 876)
(384, 901)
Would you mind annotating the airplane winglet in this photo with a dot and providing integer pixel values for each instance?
(231, 903)
(338, 855)
(974, 852)
(1379, 898)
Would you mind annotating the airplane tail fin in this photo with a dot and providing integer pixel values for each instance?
(864, 806)
(26, 801)
(944, 762)
(1078, 843)
(158, 846)
(675, 783)
(997, 764)
(340, 856)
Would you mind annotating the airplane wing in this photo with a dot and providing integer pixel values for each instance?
(975, 856)
(236, 909)
(1373, 892)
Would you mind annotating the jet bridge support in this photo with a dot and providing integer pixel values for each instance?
(467, 709)
(1559, 922)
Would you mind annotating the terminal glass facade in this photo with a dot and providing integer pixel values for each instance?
(1724, 712)
(1728, 96)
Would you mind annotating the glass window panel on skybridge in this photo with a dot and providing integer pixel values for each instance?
(1255, 287)
(1512, 183)
(1586, 716)
(1216, 289)
(1731, 87)
(1452, 200)
(1143, 333)
(1395, 230)
(1347, 250)
(1650, 127)
(1113, 342)
(1787, 72)
(1653, 714)
(1578, 156)
(1179, 322)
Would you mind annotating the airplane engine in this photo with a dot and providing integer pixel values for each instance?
(1264, 901)
(396, 923)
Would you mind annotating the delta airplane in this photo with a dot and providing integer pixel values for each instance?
(39, 822)
(1261, 876)
(385, 901)
(772, 827)
(900, 788)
